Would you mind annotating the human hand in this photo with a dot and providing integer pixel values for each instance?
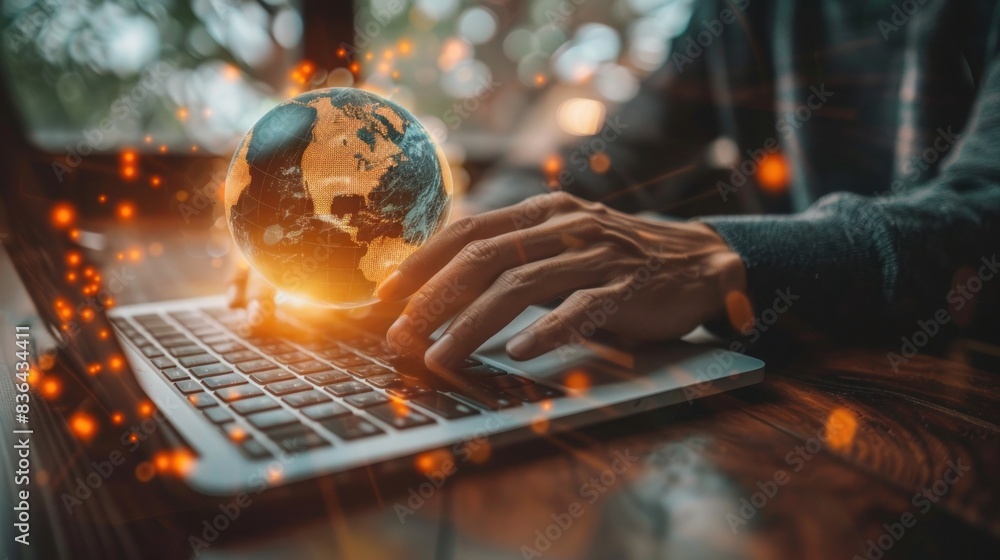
(648, 279)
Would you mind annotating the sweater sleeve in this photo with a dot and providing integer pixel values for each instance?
(859, 263)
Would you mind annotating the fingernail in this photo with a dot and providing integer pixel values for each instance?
(385, 290)
(521, 344)
(394, 336)
(440, 353)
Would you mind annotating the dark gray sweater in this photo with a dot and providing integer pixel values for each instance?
(888, 115)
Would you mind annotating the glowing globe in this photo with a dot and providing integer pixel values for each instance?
(331, 190)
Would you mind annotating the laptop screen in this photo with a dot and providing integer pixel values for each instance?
(151, 76)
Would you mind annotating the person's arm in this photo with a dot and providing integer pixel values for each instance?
(859, 264)
(653, 143)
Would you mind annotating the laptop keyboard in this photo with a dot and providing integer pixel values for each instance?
(301, 390)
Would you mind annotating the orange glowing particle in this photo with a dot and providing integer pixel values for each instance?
(161, 460)
(395, 74)
(230, 72)
(118, 418)
(51, 387)
(88, 272)
(109, 301)
(65, 313)
(355, 67)
(163, 148)
(539, 424)
(383, 68)
(128, 172)
(134, 254)
(552, 164)
(116, 363)
(841, 426)
(547, 405)
(102, 198)
(154, 181)
(539, 79)
(387, 54)
(432, 461)
(182, 113)
(341, 52)
(126, 210)
(148, 139)
(369, 56)
(145, 409)
(577, 380)
(773, 174)
(182, 461)
(274, 475)
(94, 368)
(133, 438)
(194, 148)
(104, 334)
(307, 67)
(82, 425)
(237, 434)
(128, 157)
(74, 234)
(600, 162)
(73, 258)
(145, 471)
(405, 47)
(87, 315)
(63, 215)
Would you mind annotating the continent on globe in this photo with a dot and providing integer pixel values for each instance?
(331, 190)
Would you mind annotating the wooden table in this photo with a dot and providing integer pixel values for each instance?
(834, 455)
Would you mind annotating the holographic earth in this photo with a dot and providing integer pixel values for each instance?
(331, 190)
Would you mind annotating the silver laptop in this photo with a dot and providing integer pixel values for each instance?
(268, 409)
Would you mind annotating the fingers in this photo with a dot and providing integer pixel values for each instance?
(512, 293)
(563, 325)
(441, 249)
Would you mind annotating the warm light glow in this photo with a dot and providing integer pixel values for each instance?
(230, 73)
(126, 210)
(433, 461)
(82, 425)
(774, 174)
(600, 162)
(182, 462)
(145, 409)
(73, 258)
(405, 46)
(580, 116)
(116, 363)
(539, 424)
(539, 79)
(102, 198)
(154, 181)
(182, 113)
(117, 417)
(577, 380)
(104, 334)
(552, 164)
(145, 471)
(161, 460)
(94, 368)
(128, 157)
(51, 387)
(841, 426)
(63, 215)
(163, 148)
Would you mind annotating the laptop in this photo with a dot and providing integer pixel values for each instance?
(299, 402)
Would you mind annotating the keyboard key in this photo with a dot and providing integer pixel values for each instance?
(215, 339)
(311, 366)
(488, 398)
(351, 427)
(210, 370)
(365, 400)
(291, 357)
(290, 386)
(174, 374)
(163, 362)
(202, 330)
(369, 370)
(298, 400)
(227, 347)
(201, 400)
(400, 416)
(297, 438)
(254, 449)
(445, 406)
(241, 356)
(383, 381)
(406, 391)
(218, 415)
(272, 419)
(255, 404)
(327, 377)
(150, 351)
(235, 432)
(482, 370)
(347, 388)
(176, 340)
(270, 376)
(230, 394)
(254, 366)
(186, 350)
(278, 348)
(325, 410)
(505, 381)
(535, 393)
(228, 380)
(334, 353)
(188, 386)
(197, 360)
(349, 361)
